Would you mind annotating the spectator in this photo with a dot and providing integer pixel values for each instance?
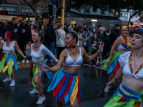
(101, 31)
(114, 34)
(50, 38)
(2, 29)
(80, 33)
(40, 22)
(33, 30)
(88, 43)
(70, 26)
(25, 37)
(60, 40)
(84, 26)
(43, 33)
(12, 27)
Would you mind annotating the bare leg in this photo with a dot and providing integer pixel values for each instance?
(12, 75)
(75, 104)
(111, 76)
(39, 85)
(59, 104)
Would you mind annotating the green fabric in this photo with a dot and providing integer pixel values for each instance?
(10, 68)
(35, 71)
(56, 74)
(115, 55)
(2, 62)
(114, 102)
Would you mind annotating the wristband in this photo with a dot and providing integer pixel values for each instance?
(52, 69)
(99, 51)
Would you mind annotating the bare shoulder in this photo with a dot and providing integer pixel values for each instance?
(83, 51)
(64, 53)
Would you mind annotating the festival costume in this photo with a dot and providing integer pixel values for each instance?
(8, 58)
(120, 99)
(66, 85)
(39, 56)
(115, 65)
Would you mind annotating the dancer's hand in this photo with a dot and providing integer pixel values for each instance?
(109, 62)
(28, 45)
(101, 46)
(25, 57)
(110, 83)
(45, 68)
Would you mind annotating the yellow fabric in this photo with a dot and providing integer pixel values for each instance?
(138, 104)
(6, 67)
(75, 91)
(124, 27)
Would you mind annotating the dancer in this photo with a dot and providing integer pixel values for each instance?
(121, 45)
(65, 84)
(8, 60)
(37, 51)
(130, 91)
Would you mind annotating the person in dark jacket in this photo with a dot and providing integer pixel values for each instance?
(114, 34)
(13, 27)
(25, 36)
(50, 38)
(2, 32)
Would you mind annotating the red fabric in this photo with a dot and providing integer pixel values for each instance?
(122, 99)
(1, 56)
(59, 86)
(67, 89)
(31, 73)
(78, 94)
(116, 68)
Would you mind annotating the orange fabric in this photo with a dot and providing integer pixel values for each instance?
(138, 104)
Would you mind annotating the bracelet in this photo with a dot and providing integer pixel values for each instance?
(115, 78)
(52, 69)
(99, 51)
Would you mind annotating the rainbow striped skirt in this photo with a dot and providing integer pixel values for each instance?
(65, 87)
(7, 60)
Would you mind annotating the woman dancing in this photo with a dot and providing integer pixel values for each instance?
(37, 51)
(8, 60)
(65, 84)
(121, 45)
(130, 91)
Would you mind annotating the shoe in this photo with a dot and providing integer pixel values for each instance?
(12, 83)
(7, 79)
(41, 100)
(34, 91)
(23, 61)
(106, 90)
(27, 61)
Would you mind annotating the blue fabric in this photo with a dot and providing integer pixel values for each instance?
(12, 56)
(62, 90)
(67, 97)
(56, 81)
(52, 49)
(113, 65)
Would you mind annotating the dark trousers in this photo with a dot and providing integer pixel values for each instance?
(59, 50)
(0, 52)
(93, 52)
(86, 48)
(22, 46)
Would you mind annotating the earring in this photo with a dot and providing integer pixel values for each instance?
(73, 45)
(39, 41)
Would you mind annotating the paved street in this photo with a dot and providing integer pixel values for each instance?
(92, 83)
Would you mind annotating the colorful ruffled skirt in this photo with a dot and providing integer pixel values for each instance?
(65, 87)
(35, 69)
(7, 61)
(120, 99)
(114, 66)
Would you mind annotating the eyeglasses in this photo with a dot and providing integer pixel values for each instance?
(125, 30)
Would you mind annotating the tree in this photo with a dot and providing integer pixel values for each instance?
(33, 5)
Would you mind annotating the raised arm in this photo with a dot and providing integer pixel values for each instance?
(84, 40)
(59, 64)
(92, 57)
(115, 45)
(48, 52)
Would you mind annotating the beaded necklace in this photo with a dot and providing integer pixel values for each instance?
(130, 64)
(124, 43)
(37, 46)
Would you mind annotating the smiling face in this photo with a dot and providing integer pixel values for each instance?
(36, 37)
(69, 40)
(137, 41)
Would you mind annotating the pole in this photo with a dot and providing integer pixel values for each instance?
(63, 12)
(55, 14)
